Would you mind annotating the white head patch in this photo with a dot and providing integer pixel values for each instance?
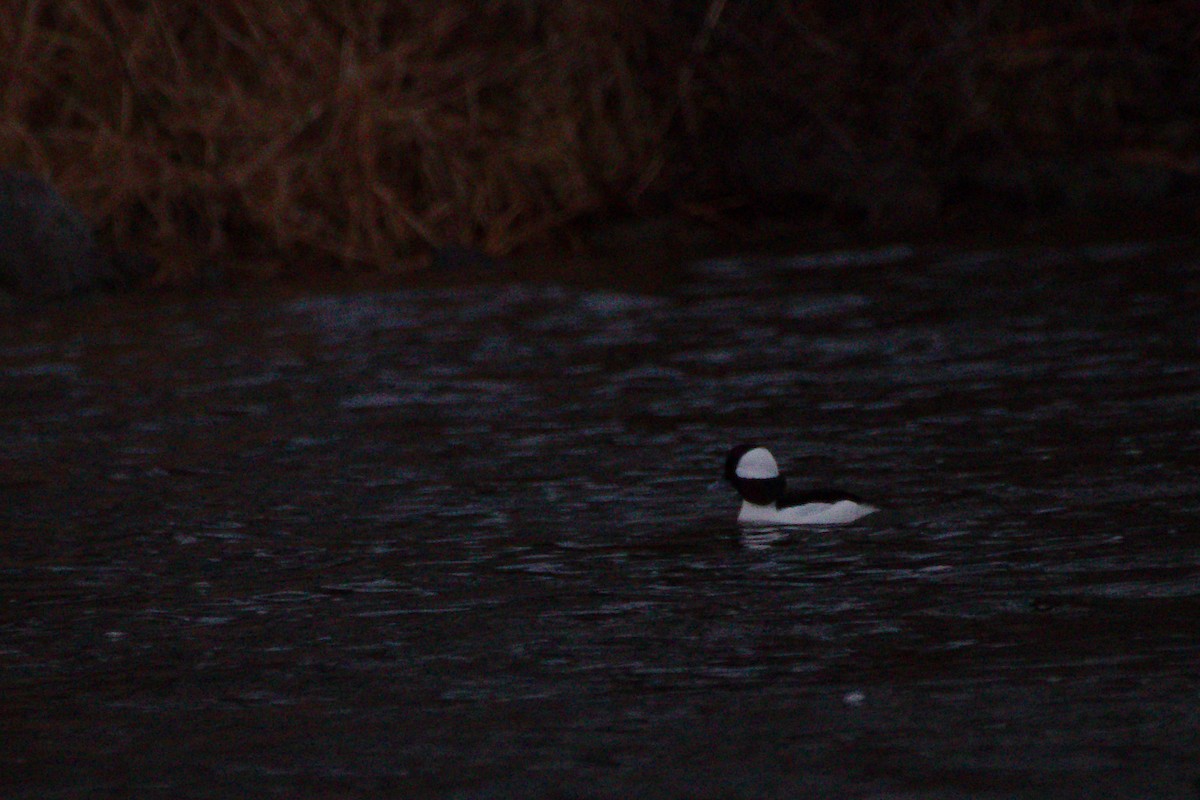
(757, 463)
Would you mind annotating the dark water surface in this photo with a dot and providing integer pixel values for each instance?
(463, 542)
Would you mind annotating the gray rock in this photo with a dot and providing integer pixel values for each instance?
(46, 246)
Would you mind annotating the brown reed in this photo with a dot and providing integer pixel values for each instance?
(357, 132)
(363, 133)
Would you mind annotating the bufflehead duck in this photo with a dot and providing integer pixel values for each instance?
(753, 472)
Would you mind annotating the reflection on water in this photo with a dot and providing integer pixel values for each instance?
(464, 542)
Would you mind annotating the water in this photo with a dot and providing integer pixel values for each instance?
(463, 542)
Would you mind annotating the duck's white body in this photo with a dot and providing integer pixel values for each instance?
(838, 513)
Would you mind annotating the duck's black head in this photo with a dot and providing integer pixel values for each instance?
(753, 472)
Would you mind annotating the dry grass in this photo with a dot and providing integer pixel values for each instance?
(365, 132)
(356, 132)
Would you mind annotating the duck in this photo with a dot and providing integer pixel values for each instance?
(755, 475)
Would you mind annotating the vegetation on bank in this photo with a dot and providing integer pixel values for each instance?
(368, 133)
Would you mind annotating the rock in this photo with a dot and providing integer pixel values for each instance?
(46, 246)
